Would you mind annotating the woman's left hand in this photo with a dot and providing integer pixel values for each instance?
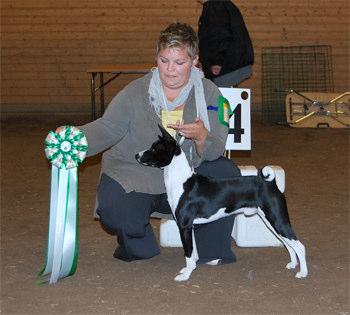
(195, 131)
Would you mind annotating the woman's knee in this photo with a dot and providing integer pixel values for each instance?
(221, 167)
(124, 219)
(108, 193)
(115, 223)
(107, 221)
(121, 212)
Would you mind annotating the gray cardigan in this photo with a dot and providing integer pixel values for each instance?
(130, 125)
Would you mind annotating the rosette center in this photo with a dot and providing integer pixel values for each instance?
(66, 146)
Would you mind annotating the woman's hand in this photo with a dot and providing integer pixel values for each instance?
(195, 131)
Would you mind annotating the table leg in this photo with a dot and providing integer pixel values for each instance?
(102, 94)
(93, 94)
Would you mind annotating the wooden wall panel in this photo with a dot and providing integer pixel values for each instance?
(47, 45)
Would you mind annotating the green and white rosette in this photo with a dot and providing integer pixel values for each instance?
(65, 149)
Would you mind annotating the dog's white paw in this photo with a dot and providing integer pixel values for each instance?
(183, 276)
(301, 274)
(182, 270)
(291, 265)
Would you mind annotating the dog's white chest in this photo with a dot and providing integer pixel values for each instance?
(175, 175)
(174, 193)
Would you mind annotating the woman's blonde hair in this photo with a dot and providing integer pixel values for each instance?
(179, 35)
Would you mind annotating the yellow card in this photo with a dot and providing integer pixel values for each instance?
(171, 118)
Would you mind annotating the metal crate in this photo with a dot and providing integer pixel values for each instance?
(302, 68)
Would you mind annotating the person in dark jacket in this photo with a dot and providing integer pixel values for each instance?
(225, 48)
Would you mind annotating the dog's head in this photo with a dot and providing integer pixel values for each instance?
(161, 151)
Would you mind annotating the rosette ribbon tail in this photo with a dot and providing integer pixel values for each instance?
(63, 149)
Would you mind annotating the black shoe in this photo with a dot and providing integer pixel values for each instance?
(120, 253)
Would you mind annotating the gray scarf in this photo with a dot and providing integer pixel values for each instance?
(159, 101)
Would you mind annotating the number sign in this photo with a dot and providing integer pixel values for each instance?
(239, 134)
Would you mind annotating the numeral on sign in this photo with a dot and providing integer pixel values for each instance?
(237, 130)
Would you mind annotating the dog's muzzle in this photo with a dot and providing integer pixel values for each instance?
(138, 157)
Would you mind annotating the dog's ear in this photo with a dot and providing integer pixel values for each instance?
(165, 134)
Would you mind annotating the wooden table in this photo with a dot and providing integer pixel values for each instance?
(115, 71)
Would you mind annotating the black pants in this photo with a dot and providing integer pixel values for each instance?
(128, 216)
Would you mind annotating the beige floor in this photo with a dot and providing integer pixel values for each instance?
(317, 189)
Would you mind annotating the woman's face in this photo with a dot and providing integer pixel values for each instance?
(174, 65)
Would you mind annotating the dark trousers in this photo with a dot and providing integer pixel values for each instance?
(128, 216)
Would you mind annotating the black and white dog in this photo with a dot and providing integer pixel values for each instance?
(195, 199)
